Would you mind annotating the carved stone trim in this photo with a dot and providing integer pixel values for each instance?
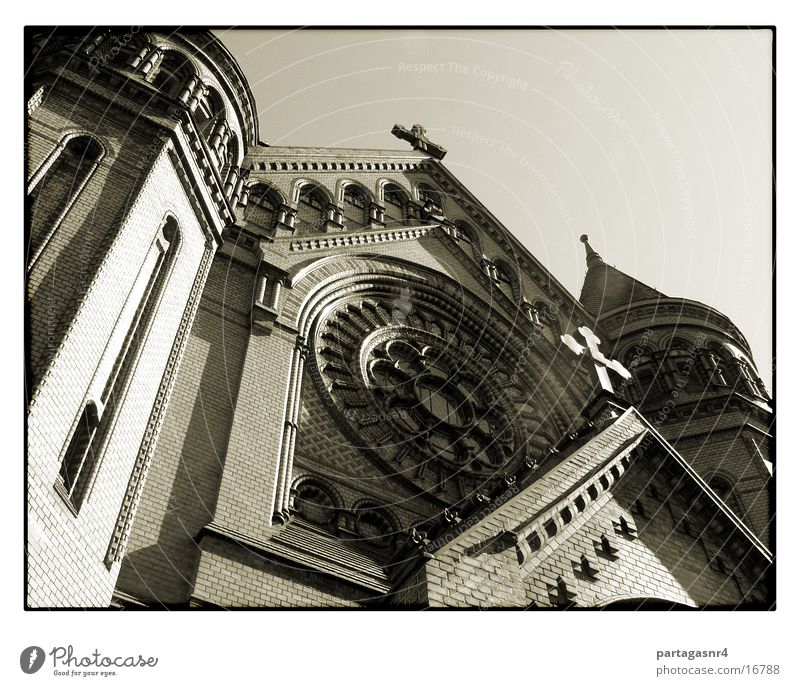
(133, 493)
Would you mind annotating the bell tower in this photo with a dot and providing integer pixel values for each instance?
(694, 378)
(134, 145)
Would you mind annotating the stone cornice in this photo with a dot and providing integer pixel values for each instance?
(327, 556)
(622, 320)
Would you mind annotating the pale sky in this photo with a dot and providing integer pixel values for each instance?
(655, 143)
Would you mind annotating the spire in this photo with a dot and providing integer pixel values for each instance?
(592, 257)
(606, 288)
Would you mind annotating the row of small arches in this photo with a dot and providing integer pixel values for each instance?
(320, 504)
(315, 210)
(683, 366)
(335, 166)
(175, 75)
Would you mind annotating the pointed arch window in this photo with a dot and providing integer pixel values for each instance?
(81, 458)
(57, 186)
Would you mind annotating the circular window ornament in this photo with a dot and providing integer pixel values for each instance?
(428, 407)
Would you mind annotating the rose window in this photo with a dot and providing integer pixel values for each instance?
(438, 407)
(426, 404)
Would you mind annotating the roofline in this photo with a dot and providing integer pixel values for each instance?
(518, 245)
(657, 301)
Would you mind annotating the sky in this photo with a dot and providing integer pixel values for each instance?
(655, 143)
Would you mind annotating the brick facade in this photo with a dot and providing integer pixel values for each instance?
(261, 458)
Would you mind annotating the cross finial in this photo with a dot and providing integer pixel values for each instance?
(601, 363)
(418, 137)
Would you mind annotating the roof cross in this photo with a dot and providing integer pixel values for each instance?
(418, 137)
(601, 363)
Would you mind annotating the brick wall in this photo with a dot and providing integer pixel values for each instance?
(231, 576)
(658, 559)
(181, 490)
(65, 552)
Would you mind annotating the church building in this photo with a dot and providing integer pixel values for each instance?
(265, 376)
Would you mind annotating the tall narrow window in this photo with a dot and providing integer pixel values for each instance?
(79, 451)
(310, 210)
(57, 189)
(261, 211)
(506, 279)
(84, 450)
(355, 208)
(209, 113)
(395, 202)
(174, 73)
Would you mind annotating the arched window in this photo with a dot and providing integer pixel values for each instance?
(81, 458)
(741, 377)
(316, 503)
(311, 210)
(644, 366)
(80, 452)
(684, 367)
(544, 314)
(209, 113)
(261, 212)
(173, 74)
(56, 190)
(506, 278)
(469, 240)
(719, 361)
(431, 198)
(356, 208)
(395, 201)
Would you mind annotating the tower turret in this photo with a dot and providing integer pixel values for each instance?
(694, 377)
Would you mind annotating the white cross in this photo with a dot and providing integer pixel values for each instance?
(601, 363)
